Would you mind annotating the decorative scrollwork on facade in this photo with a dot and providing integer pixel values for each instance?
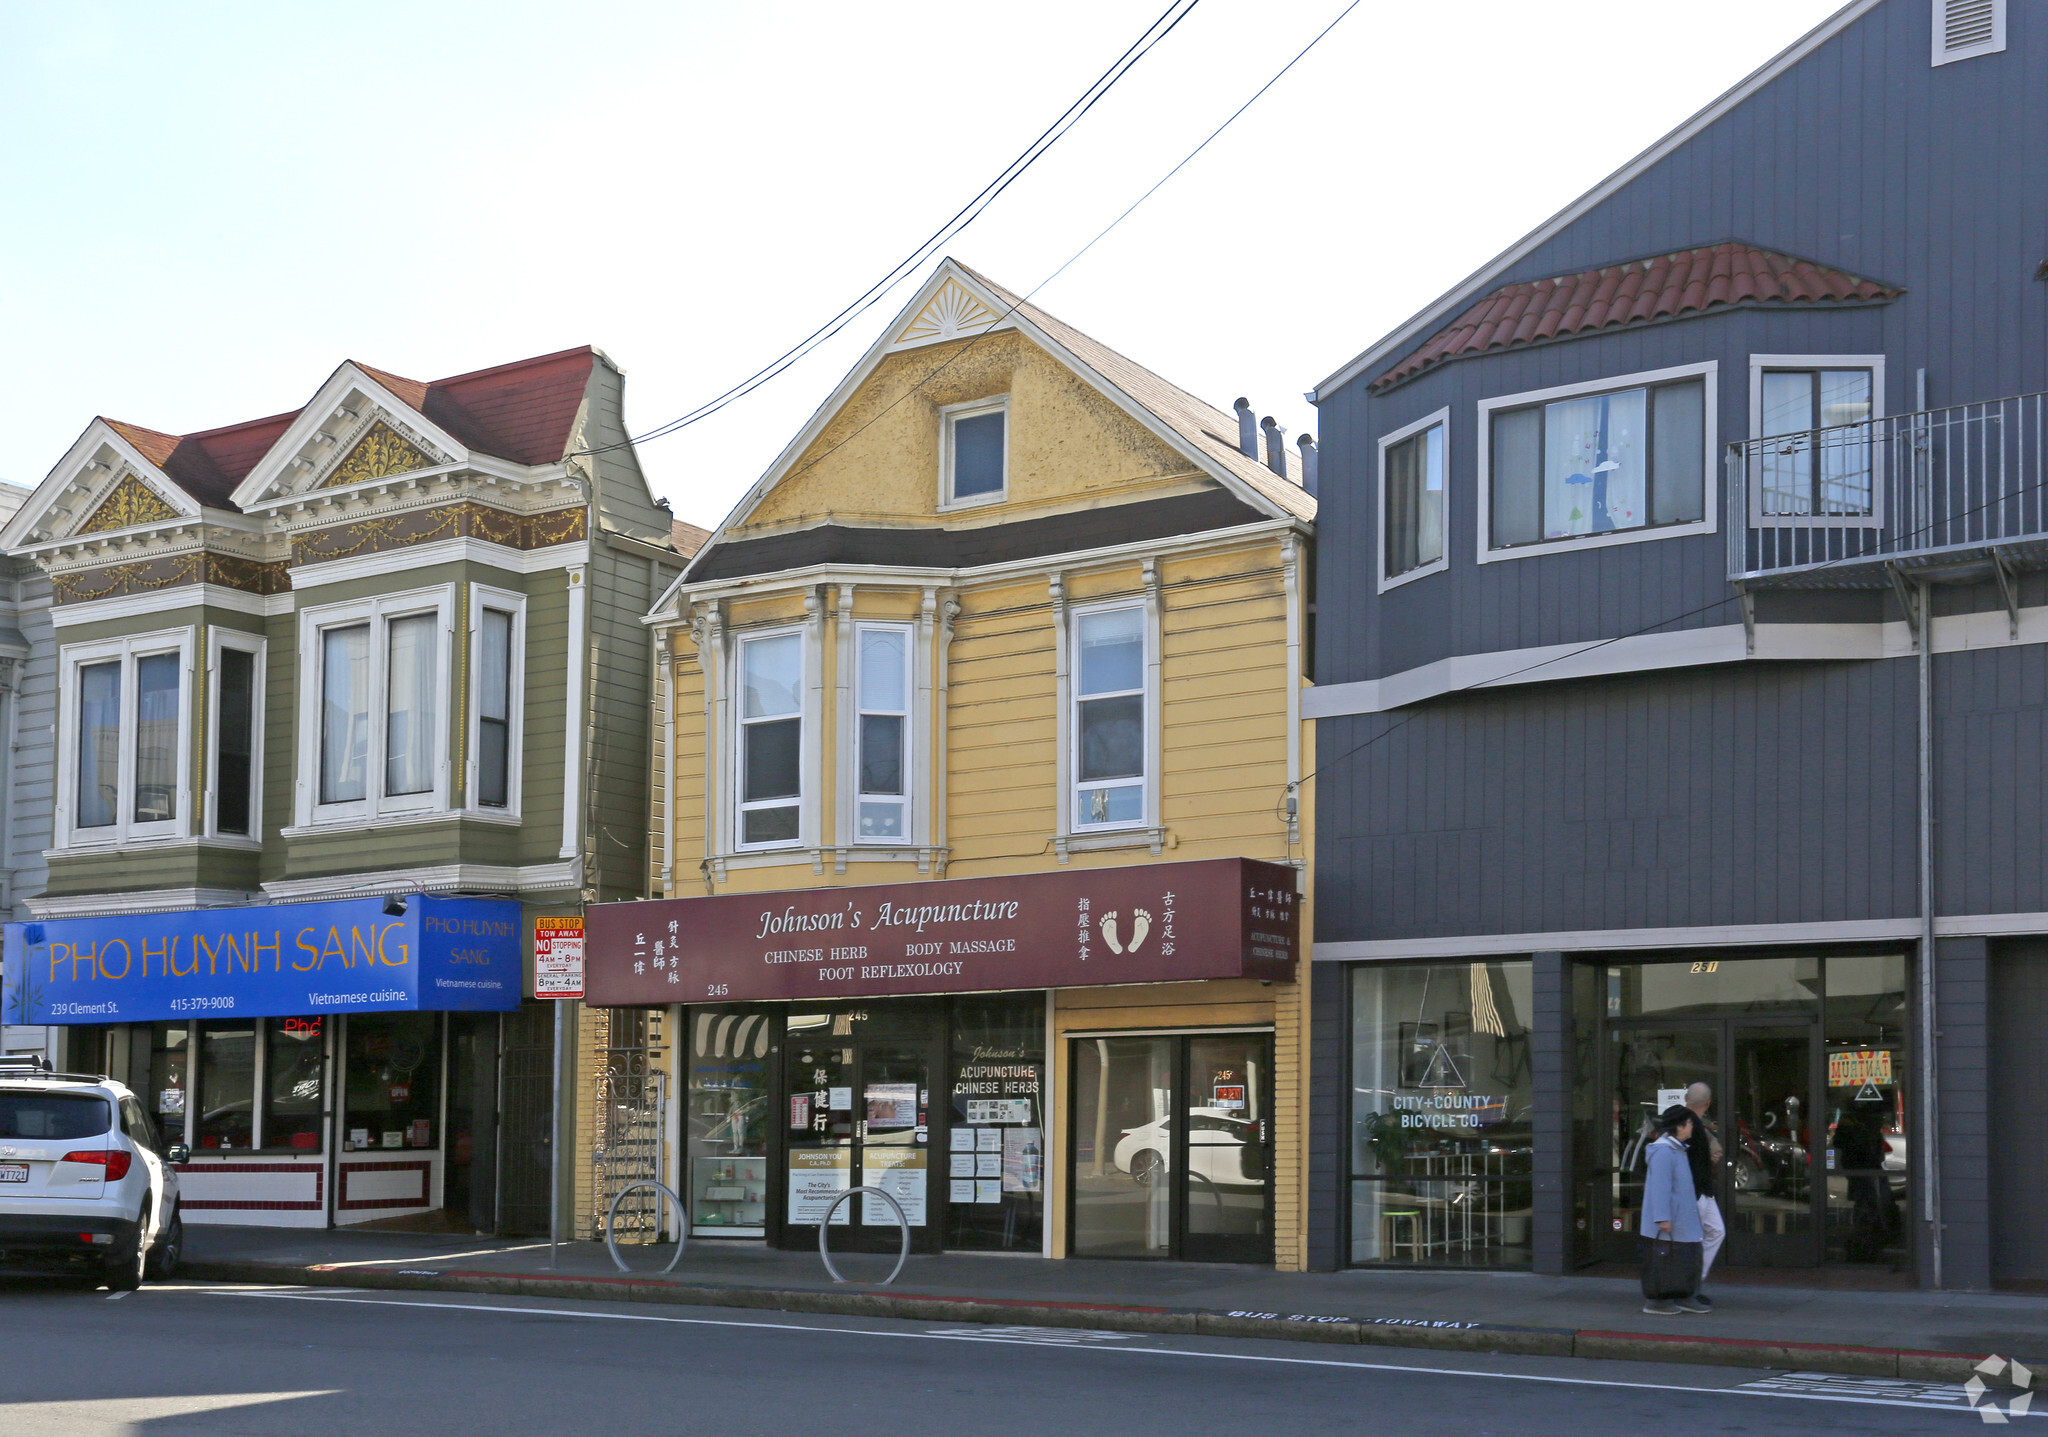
(443, 521)
(80, 586)
(379, 454)
(131, 503)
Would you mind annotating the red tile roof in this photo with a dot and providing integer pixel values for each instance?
(1693, 281)
(524, 411)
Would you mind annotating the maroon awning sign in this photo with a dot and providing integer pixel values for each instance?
(1147, 923)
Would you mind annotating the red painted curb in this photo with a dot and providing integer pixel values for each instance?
(1773, 1343)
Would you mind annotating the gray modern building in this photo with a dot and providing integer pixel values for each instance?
(1683, 690)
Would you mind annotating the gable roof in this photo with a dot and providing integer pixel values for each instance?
(1441, 308)
(523, 411)
(1670, 286)
(1195, 420)
(1190, 426)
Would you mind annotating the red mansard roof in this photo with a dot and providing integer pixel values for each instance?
(1693, 281)
(523, 411)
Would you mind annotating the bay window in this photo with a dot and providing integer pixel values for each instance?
(375, 724)
(1111, 708)
(770, 758)
(883, 681)
(497, 644)
(124, 755)
(1597, 462)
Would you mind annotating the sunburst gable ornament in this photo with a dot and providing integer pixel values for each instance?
(950, 313)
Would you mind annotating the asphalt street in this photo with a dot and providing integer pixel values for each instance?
(223, 1360)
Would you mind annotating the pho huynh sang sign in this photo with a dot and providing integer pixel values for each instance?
(440, 954)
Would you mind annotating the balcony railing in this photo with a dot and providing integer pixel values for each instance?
(1957, 491)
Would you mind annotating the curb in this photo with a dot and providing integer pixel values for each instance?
(1908, 1363)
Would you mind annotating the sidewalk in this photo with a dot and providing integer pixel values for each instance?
(1894, 1334)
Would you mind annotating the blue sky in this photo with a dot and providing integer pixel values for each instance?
(209, 206)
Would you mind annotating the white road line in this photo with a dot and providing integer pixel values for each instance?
(949, 1336)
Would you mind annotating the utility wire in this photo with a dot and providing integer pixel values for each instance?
(1871, 553)
(1017, 303)
(1157, 31)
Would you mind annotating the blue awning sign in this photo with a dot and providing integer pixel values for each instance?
(266, 961)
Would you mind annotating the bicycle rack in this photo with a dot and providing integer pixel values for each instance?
(825, 1228)
(611, 1240)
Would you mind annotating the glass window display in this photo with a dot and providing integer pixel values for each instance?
(728, 1118)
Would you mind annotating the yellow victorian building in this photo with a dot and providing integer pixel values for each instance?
(980, 864)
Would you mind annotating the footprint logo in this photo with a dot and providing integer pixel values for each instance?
(1109, 932)
(1141, 924)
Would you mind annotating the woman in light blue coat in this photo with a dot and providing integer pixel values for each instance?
(1670, 1206)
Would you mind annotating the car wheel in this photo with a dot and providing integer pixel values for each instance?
(124, 1274)
(164, 1257)
(1145, 1166)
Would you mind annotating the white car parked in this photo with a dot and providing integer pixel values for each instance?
(1223, 1149)
(87, 1188)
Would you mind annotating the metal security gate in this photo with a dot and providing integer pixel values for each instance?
(525, 1109)
(631, 1119)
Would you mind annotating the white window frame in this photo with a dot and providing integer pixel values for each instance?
(378, 612)
(1938, 39)
(1759, 365)
(1388, 441)
(1709, 523)
(908, 838)
(124, 650)
(736, 751)
(948, 416)
(218, 639)
(1148, 808)
(509, 601)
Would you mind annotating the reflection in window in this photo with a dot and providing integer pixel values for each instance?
(99, 744)
(293, 1073)
(394, 1081)
(227, 1086)
(884, 727)
(344, 714)
(1109, 717)
(1818, 467)
(1442, 1154)
(411, 707)
(169, 1053)
(771, 738)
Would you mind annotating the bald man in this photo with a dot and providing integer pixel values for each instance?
(1705, 1151)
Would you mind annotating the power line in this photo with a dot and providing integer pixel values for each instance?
(1157, 31)
(1017, 303)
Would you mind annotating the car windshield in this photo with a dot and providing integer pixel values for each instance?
(61, 1116)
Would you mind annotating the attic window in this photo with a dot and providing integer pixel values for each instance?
(1965, 29)
(973, 453)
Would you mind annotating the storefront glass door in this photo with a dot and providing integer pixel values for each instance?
(1762, 1077)
(859, 1115)
(1172, 1136)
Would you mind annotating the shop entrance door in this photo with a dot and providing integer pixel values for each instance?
(859, 1115)
(1764, 1076)
(1172, 1144)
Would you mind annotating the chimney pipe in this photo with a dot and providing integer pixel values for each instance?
(1276, 446)
(1308, 463)
(1247, 429)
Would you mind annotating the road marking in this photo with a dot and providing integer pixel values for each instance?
(1746, 1390)
(122, 1413)
(1938, 1394)
(116, 1296)
(1044, 1336)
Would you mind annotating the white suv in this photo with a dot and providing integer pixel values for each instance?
(86, 1186)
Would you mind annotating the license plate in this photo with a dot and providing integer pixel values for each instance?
(13, 1172)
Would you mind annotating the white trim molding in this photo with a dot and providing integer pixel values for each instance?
(164, 601)
(378, 613)
(951, 414)
(441, 878)
(127, 651)
(148, 900)
(1482, 447)
(1443, 559)
(441, 551)
(573, 719)
(1759, 364)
